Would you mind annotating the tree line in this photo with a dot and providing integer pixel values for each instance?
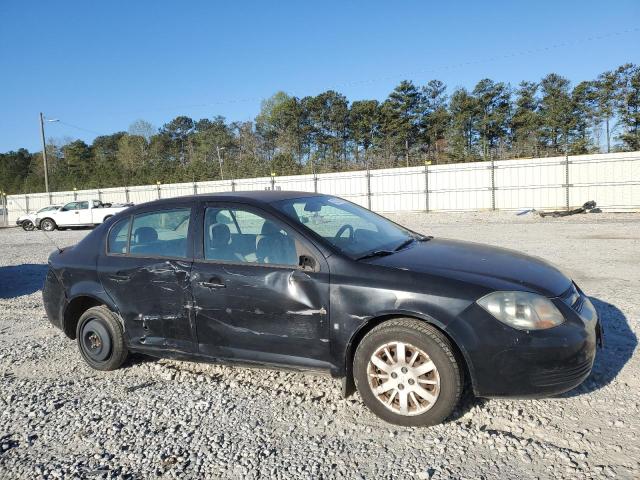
(327, 133)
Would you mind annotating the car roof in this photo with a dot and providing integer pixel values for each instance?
(252, 196)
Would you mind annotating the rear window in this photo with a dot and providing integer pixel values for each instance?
(118, 237)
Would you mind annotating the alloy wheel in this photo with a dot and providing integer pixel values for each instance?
(403, 378)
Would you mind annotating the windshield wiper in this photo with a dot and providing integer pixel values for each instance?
(376, 253)
(407, 242)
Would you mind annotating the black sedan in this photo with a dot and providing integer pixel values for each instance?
(314, 282)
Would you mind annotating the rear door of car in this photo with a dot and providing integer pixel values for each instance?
(253, 300)
(146, 269)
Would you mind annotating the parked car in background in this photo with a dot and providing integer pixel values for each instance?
(315, 282)
(28, 221)
(78, 214)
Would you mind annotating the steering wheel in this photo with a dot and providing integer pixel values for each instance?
(343, 229)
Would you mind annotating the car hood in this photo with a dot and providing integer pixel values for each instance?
(492, 267)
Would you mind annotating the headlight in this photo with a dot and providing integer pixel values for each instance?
(522, 310)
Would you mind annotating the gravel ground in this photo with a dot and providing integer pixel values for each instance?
(168, 419)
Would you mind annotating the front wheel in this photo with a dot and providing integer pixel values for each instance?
(407, 373)
(101, 339)
(48, 225)
(28, 226)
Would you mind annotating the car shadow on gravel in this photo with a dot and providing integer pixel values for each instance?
(619, 344)
(18, 280)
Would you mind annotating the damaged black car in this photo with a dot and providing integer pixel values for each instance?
(314, 282)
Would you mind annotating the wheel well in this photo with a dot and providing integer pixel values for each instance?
(74, 311)
(374, 322)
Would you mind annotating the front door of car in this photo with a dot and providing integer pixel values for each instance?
(69, 214)
(253, 300)
(146, 271)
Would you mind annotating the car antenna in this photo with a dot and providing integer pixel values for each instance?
(51, 240)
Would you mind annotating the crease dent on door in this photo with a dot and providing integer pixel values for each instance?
(167, 297)
(298, 297)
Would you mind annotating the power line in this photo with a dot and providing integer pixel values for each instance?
(447, 67)
(441, 68)
(79, 128)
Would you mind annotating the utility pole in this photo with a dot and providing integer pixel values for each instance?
(220, 161)
(44, 154)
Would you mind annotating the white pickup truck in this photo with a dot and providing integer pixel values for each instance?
(84, 213)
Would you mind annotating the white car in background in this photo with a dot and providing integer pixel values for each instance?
(28, 221)
(85, 213)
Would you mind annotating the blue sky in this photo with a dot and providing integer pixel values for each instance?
(102, 65)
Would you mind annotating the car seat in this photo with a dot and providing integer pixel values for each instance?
(144, 240)
(219, 247)
(274, 246)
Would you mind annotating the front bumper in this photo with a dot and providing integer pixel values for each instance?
(505, 362)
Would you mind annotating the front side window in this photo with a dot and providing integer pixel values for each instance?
(243, 236)
(354, 230)
(162, 233)
(118, 237)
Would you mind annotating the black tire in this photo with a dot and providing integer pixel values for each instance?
(28, 226)
(48, 225)
(101, 339)
(440, 351)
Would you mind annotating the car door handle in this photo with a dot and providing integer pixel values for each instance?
(120, 276)
(212, 283)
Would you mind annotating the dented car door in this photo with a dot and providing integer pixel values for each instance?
(250, 307)
(147, 275)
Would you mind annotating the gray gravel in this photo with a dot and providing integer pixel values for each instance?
(167, 419)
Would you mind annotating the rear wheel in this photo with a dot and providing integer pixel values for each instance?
(28, 226)
(48, 225)
(101, 339)
(407, 373)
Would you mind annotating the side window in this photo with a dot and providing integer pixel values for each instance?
(162, 233)
(70, 206)
(247, 238)
(83, 205)
(118, 236)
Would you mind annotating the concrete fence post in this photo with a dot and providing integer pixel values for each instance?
(99, 195)
(158, 185)
(273, 181)
(315, 182)
(75, 194)
(195, 188)
(126, 194)
(426, 186)
(368, 177)
(233, 185)
(566, 180)
(493, 184)
(26, 203)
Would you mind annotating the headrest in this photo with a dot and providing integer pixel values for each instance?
(145, 235)
(219, 234)
(269, 228)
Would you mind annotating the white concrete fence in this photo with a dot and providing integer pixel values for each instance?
(612, 180)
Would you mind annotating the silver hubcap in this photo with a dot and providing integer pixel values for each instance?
(403, 378)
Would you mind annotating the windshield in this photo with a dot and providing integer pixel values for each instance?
(354, 230)
(46, 209)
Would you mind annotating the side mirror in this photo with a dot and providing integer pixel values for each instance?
(304, 219)
(307, 263)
